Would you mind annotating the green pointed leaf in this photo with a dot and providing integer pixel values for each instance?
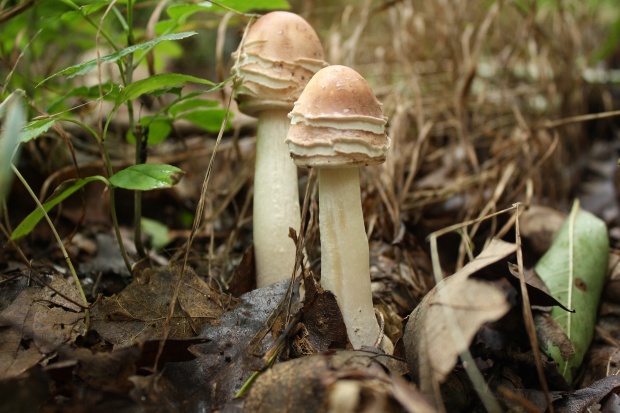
(146, 177)
(574, 270)
(247, 5)
(157, 82)
(209, 120)
(61, 193)
(157, 129)
(92, 93)
(191, 104)
(86, 67)
(36, 128)
(181, 12)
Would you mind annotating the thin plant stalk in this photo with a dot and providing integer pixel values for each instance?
(60, 244)
(108, 163)
(140, 157)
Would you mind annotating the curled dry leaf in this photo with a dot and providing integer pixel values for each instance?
(444, 323)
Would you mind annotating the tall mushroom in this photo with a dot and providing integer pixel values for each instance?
(336, 126)
(280, 55)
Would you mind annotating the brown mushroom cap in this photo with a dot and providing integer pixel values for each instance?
(280, 54)
(337, 121)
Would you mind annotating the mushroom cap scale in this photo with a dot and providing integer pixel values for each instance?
(337, 122)
(326, 147)
(279, 56)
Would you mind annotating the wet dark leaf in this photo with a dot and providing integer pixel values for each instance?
(582, 399)
(233, 352)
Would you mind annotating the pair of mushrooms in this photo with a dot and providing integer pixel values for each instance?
(335, 124)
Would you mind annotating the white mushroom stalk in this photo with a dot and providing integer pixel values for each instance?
(280, 55)
(336, 126)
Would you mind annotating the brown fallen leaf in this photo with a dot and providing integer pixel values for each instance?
(140, 310)
(538, 225)
(343, 381)
(36, 323)
(321, 325)
(444, 323)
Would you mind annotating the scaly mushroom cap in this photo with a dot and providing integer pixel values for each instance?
(337, 122)
(280, 54)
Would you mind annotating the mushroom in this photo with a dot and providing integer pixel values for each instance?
(336, 126)
(279, 56)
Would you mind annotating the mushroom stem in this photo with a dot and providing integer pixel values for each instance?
(345, 262)
(276, 200)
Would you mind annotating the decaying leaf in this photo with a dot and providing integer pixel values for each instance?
(140, 310)
(538, 225)
(574, 270)
(321, 326)
(432, 342)
(232, 353)
(343, 381)
(36, 323)
(583, 399)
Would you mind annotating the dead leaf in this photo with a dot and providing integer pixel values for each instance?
(582, 399)
(25, 393)
(243, 278)
(36, 323)
(105, 371)
(548, 330)
(321, 325)
(538, 225)
(342, 381)
(537, 290)
(232, 353)
(432, 344)
(140, 310)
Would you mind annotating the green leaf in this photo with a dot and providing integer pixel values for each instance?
(209, 120)
(247, 5)
(157, 231)
(574, 270)
(156, 82)
(181, 12)
(61, 193)
(146, 177)
(9, 139)
(86, 67)
(157, 128)
(92, 93)
(36, 128)
(190, 104)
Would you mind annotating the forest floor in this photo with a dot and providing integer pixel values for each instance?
(500, 134)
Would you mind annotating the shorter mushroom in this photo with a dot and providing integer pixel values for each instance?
(336, 126)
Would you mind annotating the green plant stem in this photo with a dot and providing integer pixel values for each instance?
(60, 244)
(110, 172)
(139, 159)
